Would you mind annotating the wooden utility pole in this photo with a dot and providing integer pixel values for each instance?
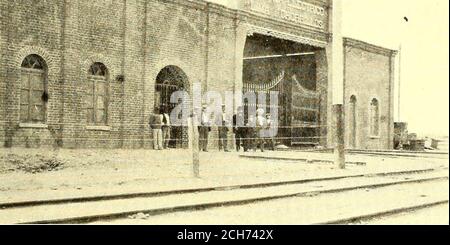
(337, 66)
(399, 81)
(193, 145)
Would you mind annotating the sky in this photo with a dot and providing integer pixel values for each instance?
(424, 39)
(424, 42)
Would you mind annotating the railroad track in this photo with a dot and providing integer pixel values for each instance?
(387, 153)
(105, 208)
(7, 205)
(296, 159)
(386, 213)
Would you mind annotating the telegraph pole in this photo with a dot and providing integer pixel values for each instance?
(337, 66)
(193, 144)
(399, 81)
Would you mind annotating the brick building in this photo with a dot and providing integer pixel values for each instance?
(85, 73)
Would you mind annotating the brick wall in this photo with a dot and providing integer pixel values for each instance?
(2, 80)
(28, 28)
(368, 76)
(221, 62)
(176, 36)
(90, 35)
(135, 39)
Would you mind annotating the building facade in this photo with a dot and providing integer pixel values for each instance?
(85, 73)
(369, 93)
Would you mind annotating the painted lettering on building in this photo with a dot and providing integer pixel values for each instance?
(296, 11)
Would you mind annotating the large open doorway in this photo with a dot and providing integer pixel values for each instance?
(290, 68)
(169, 80)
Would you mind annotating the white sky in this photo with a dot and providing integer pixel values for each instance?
(424, 66)
(424, 40)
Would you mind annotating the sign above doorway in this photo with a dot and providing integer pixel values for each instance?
(297, 11)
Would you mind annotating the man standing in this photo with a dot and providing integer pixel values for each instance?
(260, 127)
(166, 130)
(156, 126)
(250, 134)
(223, 131)
(204, 129)
(270, 137)
(239, 127)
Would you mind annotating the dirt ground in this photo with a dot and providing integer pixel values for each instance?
(316, 209)
(432, 216)
(45, 173)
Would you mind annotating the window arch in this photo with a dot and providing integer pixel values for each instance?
(374, 118)
(96, 99)
(353, 121)
(33, 89)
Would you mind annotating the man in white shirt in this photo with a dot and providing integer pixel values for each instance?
(166, 127)
(156, 125)
(223, 131)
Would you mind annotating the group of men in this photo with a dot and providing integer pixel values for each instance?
(161, 127)
(256, 132)
(204, 128)
(250, 134)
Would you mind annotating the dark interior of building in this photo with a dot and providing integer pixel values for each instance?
(273, 64)
(171, 79)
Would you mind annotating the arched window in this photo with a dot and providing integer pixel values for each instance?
(374, 118)
(96, 99)
(353, 121)
(33, 90)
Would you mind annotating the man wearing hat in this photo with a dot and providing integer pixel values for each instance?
(156, 125)
(204, 128)
(223, 130)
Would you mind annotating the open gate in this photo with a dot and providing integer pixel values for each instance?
(305, 116)
(294, 78)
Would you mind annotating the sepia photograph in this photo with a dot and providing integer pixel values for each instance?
(224, 112)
